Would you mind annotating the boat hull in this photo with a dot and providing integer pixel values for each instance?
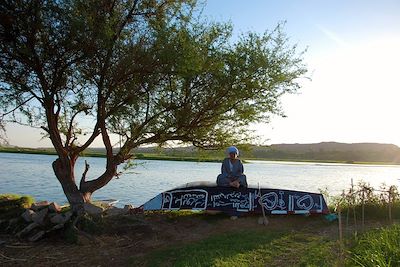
(232, 200)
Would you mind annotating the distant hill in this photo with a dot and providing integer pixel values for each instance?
(331, 151)
(325, 151)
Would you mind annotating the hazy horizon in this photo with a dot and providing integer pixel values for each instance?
(188, 145)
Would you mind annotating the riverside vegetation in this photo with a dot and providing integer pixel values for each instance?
(370, 237)
(362, 153)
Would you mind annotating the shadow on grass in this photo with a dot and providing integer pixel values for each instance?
(246, 248)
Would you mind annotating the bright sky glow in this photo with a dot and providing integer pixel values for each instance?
(353, 57)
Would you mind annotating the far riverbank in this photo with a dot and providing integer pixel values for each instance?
(199, 158)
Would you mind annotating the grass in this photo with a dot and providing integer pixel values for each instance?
(313, 243)
(12, 205)
(247, 248)
(306, 246)
(380, 247)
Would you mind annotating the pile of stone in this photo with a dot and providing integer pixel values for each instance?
(43, 218)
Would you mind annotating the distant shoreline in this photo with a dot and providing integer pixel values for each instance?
(100, 155)
(151, 156)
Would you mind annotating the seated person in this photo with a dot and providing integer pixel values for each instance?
(232, 170)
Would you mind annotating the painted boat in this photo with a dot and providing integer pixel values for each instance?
(209, 196)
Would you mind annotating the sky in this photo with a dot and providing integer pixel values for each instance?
(352, 57)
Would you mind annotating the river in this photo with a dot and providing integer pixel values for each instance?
(33, 175)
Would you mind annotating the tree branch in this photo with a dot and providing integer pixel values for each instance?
(95, 133)
(70, 127)
(17, 107)
(83, 179)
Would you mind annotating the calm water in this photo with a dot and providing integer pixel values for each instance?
(33, 175)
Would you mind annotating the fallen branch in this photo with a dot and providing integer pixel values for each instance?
(11, 259)
(16, 246)
(63, 261)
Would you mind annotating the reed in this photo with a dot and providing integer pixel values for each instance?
(380, 247)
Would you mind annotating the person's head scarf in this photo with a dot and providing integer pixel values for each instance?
(233, 149)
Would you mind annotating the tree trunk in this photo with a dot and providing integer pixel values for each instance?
(64, 170)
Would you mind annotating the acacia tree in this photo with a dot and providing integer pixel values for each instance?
(147, 70)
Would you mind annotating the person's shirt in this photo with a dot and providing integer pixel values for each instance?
(230, 166)
(230, 169)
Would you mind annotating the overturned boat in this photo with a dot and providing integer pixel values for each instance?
(209, 196)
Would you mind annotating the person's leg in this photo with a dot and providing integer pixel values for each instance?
(222, 180)
(243, 180)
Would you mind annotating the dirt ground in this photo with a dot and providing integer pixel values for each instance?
(137, 234)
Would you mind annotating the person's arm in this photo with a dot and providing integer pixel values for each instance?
(243, 179)
(225, 168)
(238, 169)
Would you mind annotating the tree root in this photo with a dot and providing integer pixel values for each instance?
(83, 233)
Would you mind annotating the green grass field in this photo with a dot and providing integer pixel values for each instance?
(247, 248)
(379, 247)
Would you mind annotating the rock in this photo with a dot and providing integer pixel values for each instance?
(27, 215)
(2, 222)
(113, 211)
(57, 219)
(12, 222)
(56, 227)
(27, 229)
(36, 236)
(40, 216)
(54, 207)
(92, 209)
(128, 207)
(40, 205)
(61, 218)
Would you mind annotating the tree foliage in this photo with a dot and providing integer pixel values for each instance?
(150, 71)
